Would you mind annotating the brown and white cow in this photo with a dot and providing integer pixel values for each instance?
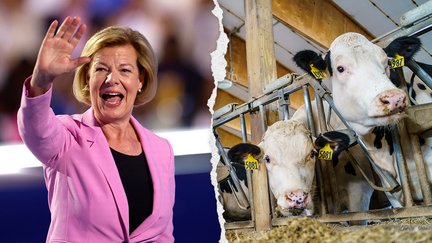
(288, 152)
(365, 96)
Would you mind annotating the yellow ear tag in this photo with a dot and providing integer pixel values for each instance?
(251, 163)
(317, 73)
(326, 152)
(397, 61)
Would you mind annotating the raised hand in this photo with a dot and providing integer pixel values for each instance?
(54, 56)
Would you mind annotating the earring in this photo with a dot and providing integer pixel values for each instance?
(139, 90)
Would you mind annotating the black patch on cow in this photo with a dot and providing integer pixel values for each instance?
(305, 58)
(393, 77)
(381, 132)
(428, 69)
(421, 86)
(328, 62)
(406, 46)
(413, 94)
(422, 141)
(335, 161)
(349, 169)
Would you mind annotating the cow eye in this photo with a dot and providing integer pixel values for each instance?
(267, 159)
(340, 69)
(313, 154)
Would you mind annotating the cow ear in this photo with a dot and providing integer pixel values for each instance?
(304, 59)
(240, 151)
(339, 141)
(328, 63)
(406, 46)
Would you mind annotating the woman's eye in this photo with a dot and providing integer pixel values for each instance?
(100, 69)
(340, 69)
(125, 70)
(267, 159)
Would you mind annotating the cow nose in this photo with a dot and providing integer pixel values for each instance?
(297, 199)
(393, 102)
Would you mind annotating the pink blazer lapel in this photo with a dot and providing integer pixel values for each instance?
(108, 167)
(151, 151)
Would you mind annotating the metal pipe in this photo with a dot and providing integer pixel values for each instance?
(284, 103)
(329, 164)
(416, 14)
(248, 172)
(263, 118)
(414, 139)
(253, 105)
(424, 76)
(412, 30)
(403, 175)
(242, 200)
(311, 125)
(308, 106)
(243, 128)
(421, 169)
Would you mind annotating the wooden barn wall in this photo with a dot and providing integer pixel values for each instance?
(318, 20)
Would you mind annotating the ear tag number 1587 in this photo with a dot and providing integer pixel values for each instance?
(326, 152)
(251, 163)
(397, 61)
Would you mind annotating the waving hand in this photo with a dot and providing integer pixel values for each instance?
(54, 56)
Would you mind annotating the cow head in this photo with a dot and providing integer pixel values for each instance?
(359, 74)
(289, 155)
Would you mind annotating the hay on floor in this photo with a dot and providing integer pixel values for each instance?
(305, 230)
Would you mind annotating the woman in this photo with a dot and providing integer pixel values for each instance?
(108, 178)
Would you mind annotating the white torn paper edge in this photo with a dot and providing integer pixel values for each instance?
(218, 65)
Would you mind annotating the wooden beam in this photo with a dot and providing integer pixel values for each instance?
(320, 21)
(261, 66)
(238, 61)
(238, 58)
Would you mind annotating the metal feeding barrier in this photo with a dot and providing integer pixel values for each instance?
(419, 120)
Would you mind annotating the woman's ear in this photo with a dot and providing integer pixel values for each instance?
(87, 76)
(141, 79)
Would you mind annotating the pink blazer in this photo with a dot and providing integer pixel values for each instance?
(85, 193)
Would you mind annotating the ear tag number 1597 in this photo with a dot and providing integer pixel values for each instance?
(251, 163)
(326, 152)
(317, 73)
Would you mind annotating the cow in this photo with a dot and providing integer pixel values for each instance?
(287, 151)
(368, 100)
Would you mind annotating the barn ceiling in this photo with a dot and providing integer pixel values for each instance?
(376, 16)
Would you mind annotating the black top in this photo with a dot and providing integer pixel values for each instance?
(138, 186)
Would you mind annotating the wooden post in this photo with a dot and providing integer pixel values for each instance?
(261, 68)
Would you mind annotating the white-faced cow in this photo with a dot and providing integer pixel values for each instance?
(288, 152)
(364, 95)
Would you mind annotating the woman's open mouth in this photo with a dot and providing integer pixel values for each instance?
(112, 99)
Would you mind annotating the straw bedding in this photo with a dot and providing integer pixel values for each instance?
(305, 230)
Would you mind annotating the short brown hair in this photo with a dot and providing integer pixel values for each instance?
(119, 36)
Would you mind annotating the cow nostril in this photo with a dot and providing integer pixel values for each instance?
(385, 102)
